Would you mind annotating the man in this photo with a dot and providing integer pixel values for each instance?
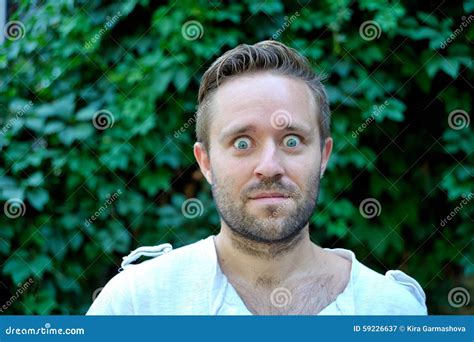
(263, 143)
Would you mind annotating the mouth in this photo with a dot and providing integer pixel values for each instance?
(269, 197)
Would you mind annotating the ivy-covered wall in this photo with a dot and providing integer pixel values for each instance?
(97, 103)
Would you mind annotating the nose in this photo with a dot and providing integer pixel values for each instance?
(269, 164)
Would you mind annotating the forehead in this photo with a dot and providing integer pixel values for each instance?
(253, 98)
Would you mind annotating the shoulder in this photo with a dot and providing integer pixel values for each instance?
(151, 286)
(394, 293)
(180, 259)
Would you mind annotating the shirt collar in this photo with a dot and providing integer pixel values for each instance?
(223, 299)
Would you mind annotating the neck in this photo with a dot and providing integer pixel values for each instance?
(267, 264)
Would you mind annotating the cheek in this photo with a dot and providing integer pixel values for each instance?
(230, 170)
(231, 181)
(226, 176)
(311, 162)
(303, 171)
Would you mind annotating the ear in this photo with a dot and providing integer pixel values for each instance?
(325, 154)
(202, 157)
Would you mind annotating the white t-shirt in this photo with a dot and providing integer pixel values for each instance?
(189, 281)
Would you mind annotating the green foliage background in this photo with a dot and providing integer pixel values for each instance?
(144, 71)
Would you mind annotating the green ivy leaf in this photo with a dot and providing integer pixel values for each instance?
(37, 197)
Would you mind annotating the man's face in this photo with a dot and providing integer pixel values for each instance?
(265, 156)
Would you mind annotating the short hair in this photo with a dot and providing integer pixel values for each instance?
(268, 55)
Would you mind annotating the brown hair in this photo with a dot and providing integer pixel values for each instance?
(268, 55)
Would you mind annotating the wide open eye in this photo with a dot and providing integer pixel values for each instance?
(242, 143)
(291, 141)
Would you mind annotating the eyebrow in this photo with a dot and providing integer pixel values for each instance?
(240, 129)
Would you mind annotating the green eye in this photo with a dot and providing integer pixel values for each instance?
(242, 143)
(291, 141)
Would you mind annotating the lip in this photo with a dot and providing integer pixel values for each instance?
(269, 195)
(270, 200)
